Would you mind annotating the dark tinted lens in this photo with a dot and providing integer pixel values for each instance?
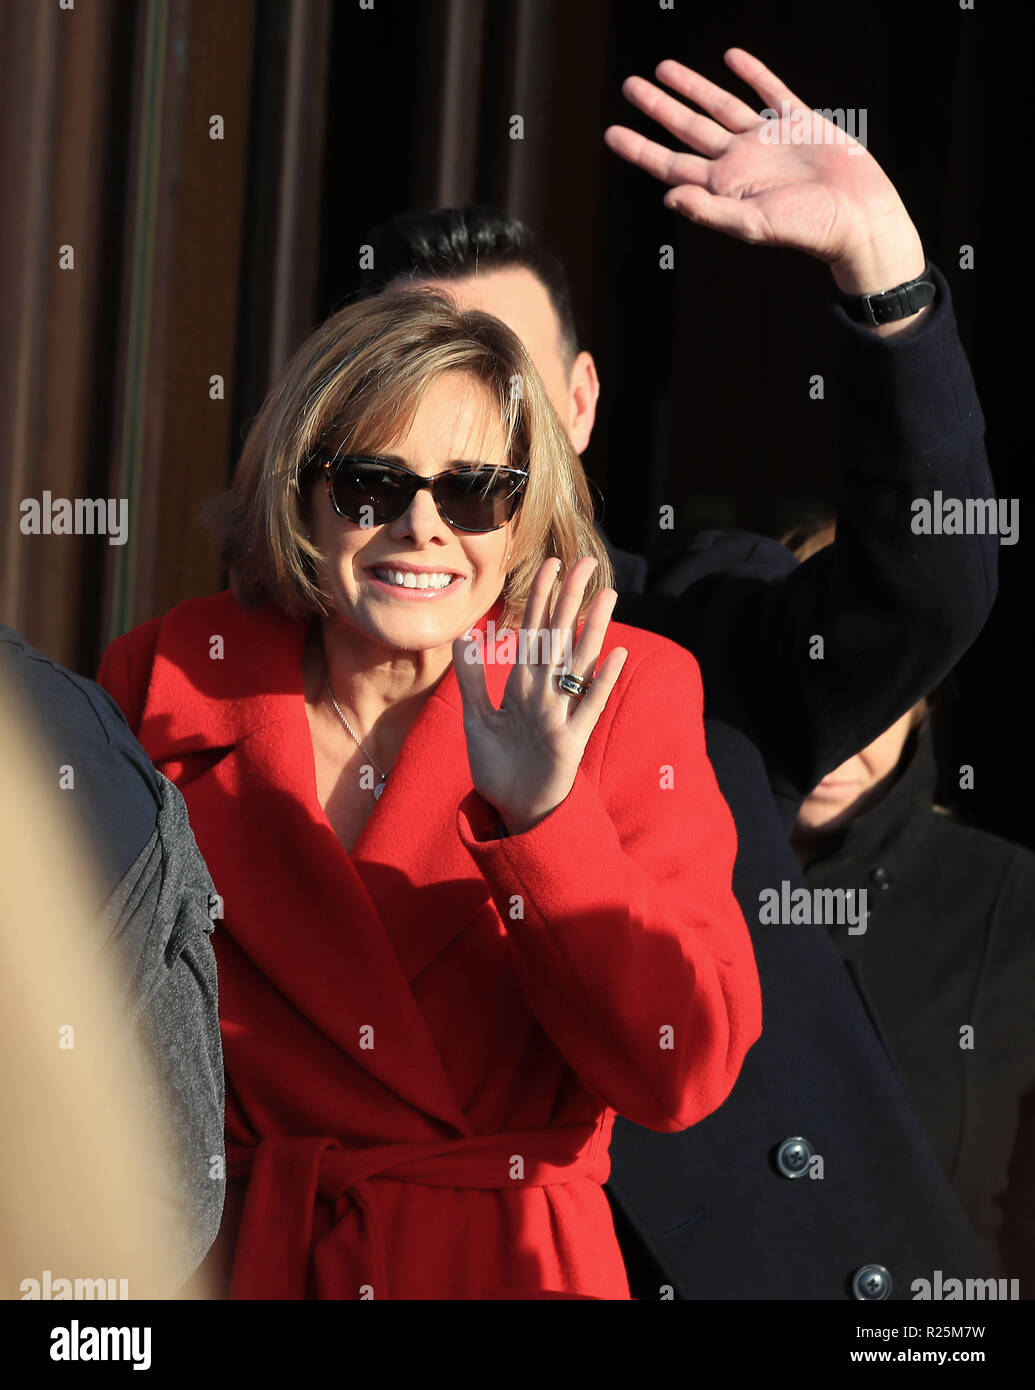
(478, 500)
(365, 492)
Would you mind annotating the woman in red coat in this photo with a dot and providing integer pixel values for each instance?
(434, 1000)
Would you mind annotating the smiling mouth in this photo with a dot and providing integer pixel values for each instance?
(432, 582)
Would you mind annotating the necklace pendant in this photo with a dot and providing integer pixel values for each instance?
(379, 789)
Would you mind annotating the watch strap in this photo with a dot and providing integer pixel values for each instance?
(888, 306)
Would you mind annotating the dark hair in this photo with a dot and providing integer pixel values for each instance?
(455, 242)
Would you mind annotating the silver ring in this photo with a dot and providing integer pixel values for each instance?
(572, 684)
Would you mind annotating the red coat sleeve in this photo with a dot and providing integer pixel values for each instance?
(627, 939)
(125, 670)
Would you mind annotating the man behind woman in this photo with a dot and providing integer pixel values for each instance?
(726, 1209)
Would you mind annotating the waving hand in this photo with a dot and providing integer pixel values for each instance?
(793, 179)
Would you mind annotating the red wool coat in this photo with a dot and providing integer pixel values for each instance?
(426, 1041)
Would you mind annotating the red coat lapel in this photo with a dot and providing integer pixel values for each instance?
(319, 925)
(410, 856)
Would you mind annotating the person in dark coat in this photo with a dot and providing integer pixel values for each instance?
(947, 958)
(815, 1179)
(153, 915)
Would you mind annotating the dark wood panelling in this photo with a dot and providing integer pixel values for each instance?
(179, 300)
(55, 164)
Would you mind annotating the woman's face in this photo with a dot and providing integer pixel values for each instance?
(857, 783)
(455, 424)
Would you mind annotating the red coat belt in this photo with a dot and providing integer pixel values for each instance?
(286, 1175)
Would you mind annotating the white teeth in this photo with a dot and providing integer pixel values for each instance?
(406, 579)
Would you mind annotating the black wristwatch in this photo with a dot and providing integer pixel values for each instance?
(890, 305)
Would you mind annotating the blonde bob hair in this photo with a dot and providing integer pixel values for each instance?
(360, 378)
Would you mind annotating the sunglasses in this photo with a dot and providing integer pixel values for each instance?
(372, 491)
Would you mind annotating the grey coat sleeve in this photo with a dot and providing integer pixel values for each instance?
(158, 919)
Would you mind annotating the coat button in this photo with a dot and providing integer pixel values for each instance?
(871, 1282)
(880, 878)
(792, 1157)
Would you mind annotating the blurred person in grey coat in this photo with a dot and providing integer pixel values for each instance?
(152, 904)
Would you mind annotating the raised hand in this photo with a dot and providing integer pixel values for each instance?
(524, 756)
(791, 180)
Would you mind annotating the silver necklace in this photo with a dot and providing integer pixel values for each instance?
(351, 732)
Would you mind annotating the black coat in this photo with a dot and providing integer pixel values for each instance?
(950, 944)
(709, 1211)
